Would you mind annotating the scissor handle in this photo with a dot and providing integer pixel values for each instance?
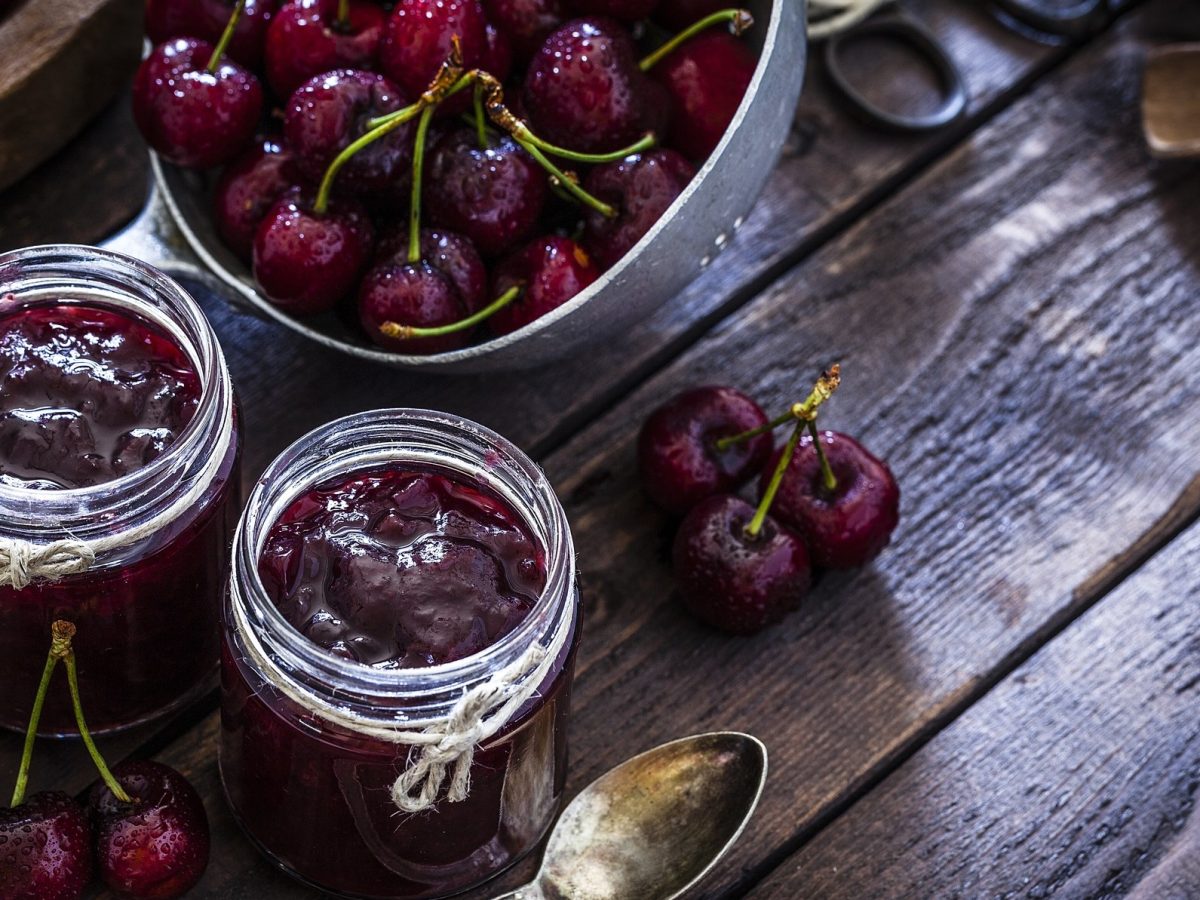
(1076, 21)
(927, 45)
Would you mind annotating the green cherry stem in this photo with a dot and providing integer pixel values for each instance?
(414, 206)
(60, 637)
(343, 15)
(803, 411)
(723, 444)
(77, 705)
(394, 121)
(739, 20)
(768, 497)
(480, 117)
(827, 476)
(226, 37)
(405, 332)
(523, 135)
(568, 182)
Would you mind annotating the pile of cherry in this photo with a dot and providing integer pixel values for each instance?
(444, 166)
(824, 501)
(143, 829)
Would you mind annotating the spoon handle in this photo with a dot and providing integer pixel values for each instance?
(531, 891)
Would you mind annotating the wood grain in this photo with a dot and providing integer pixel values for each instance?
(1076, 777)
(60, 64)
(997, 321)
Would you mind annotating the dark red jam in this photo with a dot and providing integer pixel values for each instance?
(87, 395)
(395, 569)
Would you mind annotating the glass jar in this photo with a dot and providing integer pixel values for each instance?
(147, 608)
(314, 793)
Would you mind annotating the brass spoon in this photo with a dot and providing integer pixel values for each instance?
(653, 826)
(1171, 102)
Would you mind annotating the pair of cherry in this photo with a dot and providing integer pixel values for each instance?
(144, 826)
(488, 196)
(825, 501)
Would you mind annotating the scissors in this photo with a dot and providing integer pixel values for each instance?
(847, 20)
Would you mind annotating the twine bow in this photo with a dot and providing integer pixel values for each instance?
(21, 562)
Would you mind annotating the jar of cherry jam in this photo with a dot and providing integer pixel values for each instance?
(388, 568)
(119, 485)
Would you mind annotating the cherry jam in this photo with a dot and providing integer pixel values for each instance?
(117, 429)
(390, 588)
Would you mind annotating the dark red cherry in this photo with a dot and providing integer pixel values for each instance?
(411, 294)
(156, 847)
(492, 196)
(249, 187)
(584, 90)
(497, 54)
(731, 580)
(451, 254)
(45, 849)
(306, 262)
(551, 270)
(850, 525)
(706, 78)
(330, 111)
(250, 32)
(306, 39)
(640, 188)
(676, 15)
(526, 22)
(190, 116)
(622, 10)
(418, 39)
(678, 458)
(167, 19)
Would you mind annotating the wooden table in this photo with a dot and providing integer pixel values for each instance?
(1008, 703)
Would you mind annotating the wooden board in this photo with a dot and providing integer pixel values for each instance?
(1075, 777)
(995, 320)
(60, 64)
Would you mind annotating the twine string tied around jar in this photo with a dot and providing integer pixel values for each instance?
(23, 562)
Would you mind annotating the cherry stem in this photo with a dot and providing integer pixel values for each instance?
(569, 182)
(226, 36)
(343, 14)
(739, 20)
(827, 475)
(400, 117)
(418, 175)
(804, 411)
(768, 497)
(480, 118)
(723, 444)
(522, 134)
(60, 637)
(77, 706)
(406, 332)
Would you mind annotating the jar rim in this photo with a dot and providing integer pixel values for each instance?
(128, 285)
(379, 438)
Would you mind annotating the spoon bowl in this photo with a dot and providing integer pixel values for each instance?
(653, 826)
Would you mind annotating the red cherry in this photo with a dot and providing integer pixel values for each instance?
(493, 196)
(419, 36)
(850, 525)
(451, 254)
(250, 32)
(247, 188)
(193, 117)
(622, 10)
(157, 847)
(166, 19)
(414, 294)
(734, 581)
(497, 54)
(330, 111)
(45, 849)
(584, 90)
(551, 270)
(676, 15)
(641, 188)
(307, 39)
(526, 22)
(306, 262)
(706, 78)
(678, 459)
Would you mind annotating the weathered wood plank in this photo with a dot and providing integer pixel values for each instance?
(996, 321)
(1074, 777)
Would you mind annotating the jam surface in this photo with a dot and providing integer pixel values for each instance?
(396, 568)
(87, 395)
